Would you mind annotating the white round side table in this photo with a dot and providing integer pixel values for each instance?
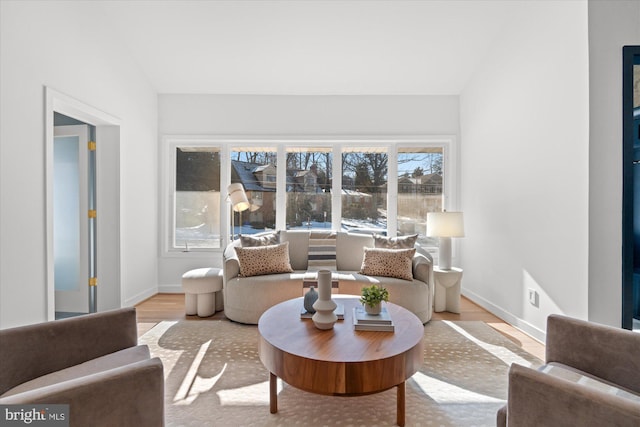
(447, 290)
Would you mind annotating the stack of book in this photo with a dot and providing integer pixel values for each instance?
(362, 321)
(339, 311)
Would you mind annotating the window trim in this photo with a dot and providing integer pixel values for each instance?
(227, 143)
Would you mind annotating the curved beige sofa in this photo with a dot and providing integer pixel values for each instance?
(246, 298)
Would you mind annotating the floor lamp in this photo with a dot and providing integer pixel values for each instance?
(445, 225)
(239, 203)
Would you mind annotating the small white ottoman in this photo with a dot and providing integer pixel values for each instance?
(200, 287)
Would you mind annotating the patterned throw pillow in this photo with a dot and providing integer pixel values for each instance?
(388, 262)
(404, 242)
(261, 260)
(249, 241)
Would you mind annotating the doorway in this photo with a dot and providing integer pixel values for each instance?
(94, 252)
(72, 226)
(631, 188)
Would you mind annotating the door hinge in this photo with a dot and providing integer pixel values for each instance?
(92, 146)
(93, 281)
(93, 213)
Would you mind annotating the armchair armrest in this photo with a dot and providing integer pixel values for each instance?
(603, 351)
(131, 395)
(28, 352)
(537, 399)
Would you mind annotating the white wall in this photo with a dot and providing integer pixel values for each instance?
(525, 179)
(612, 24)
(295, 115)
(67, 46)
(307, 115)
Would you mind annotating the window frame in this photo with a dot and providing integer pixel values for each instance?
(227, 144)
(168, 211)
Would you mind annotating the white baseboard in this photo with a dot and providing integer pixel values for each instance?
(170, 289)
(514, 321)
(162, 289)
(136, 299)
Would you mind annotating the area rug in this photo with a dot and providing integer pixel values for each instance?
(214, 377)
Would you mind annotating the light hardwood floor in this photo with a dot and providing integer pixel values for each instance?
(171, 307)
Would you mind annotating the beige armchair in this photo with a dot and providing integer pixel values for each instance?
(591, 378)
(91, 363)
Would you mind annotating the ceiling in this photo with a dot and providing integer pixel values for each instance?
(331, 47)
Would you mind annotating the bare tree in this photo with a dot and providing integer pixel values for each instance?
(255, 157)
(376, 164)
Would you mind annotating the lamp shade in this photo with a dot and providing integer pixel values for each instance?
(238, 197)
(445, 224)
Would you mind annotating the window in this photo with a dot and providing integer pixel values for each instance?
(196, 214)
(308, 187)
(361, 185)
(420, 181)
(256, 169)
(364, 190)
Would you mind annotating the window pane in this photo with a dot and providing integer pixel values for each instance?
(197, 198)
(419, 190)
(255, 169)
(309, 188)
(364, 191)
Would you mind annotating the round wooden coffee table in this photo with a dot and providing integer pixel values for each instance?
(340, 361)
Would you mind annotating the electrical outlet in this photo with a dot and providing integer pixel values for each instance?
(533, 297)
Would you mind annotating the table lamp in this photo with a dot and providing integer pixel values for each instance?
(445, 225)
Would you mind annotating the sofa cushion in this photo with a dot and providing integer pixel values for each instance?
(261, 260)
(577, 376)
(250, 241)
(388, 263)
(350, 250)
(299, 244)
(94, 366)
(401, 242)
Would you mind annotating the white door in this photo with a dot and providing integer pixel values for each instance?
(70, 219)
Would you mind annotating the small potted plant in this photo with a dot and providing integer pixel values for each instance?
(372, 297)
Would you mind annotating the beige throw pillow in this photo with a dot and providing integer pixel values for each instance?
(403, 242)
(249, 241)
(261, 260)
(388, 263)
